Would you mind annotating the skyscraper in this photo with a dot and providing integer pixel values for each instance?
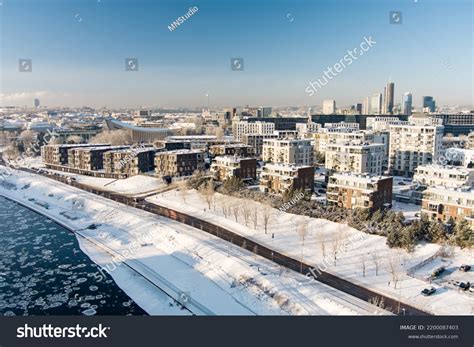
(329, 106)
(264, 111)
(358, 108)
(388, 97)
(376, 104)
(429, 103)
(406, 104)
(36, 102)
(366, 105)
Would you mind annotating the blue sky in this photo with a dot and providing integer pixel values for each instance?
(78, 49)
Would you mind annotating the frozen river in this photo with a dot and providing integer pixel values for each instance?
(44, 272)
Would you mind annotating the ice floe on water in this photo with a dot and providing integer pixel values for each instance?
(42, 270)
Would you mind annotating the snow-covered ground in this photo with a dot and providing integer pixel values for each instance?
(410, 211)
(356, 250)
(195, 268)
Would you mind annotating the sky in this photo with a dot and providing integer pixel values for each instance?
(78, 50)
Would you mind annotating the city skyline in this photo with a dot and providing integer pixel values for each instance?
(78, 52)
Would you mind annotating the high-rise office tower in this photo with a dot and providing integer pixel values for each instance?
(264, 111)
(388, 98)
(429, 103)
(366, 105)
(406, 104)
(358, 108)
(36, 102)
(376, 104)
(329, 106)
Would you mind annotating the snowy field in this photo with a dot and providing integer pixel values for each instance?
(324, 238)
(193, 267)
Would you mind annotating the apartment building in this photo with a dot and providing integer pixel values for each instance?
(365, 191)
(288, 151)
(446, 176)
(340, 135)
(306, 129)
(251, 128)
(256, 142)
(131, 161)
(413, 144)
(90, 158)
(278, 178)
(179, 163)
(442, 203)
(470, 140)
(381, 123)
(167, 145)
(457, 124)
(342, 125)
(349, 157)
(58, 154)
(227, 166)
(238, 149)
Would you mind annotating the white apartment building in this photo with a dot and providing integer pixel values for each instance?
(306, 129)
(288, 151)
(446, 176)
(248, 128)
(412, 145)
(355, 158)
(342, 125)
(340, 135)
(381, 123)
(329, 106)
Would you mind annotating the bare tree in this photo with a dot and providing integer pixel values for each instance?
(302, 230)
(376, 261)
(364, 265)
(224, 206)
(235, 211)
(246, 211)
(208, 192)
(322, 243)
(115, 137)
(393, 267)
(335, 246)
(377, 301)
(27, 137)
(55, 140)
(267, 215)
(183, 192)
(11, 152)
(254, 216)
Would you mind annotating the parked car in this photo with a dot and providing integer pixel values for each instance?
(436, 272)
(428, 291)
(464, 285)
(465, 268)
